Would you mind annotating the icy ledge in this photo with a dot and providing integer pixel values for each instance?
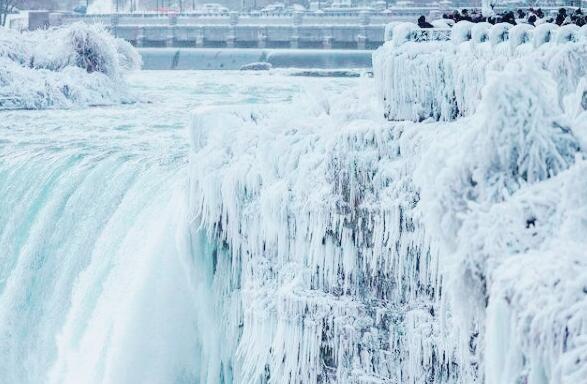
(431, 74)
(78, 65)
(351, 249)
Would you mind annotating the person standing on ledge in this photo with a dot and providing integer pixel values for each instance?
(422, 23)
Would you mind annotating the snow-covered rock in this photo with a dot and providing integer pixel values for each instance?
(72, 66)
(568, 33)
(461, 31)
(520, 34)
(480, 32)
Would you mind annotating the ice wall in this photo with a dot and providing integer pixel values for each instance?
(78, 65)
(442, 79)
(353, 249)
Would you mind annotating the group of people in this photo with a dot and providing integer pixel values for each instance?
(531, 16)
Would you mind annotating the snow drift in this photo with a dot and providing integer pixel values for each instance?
(77, 65)
(353, 249)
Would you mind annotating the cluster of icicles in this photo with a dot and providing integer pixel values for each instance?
(353, 249)
(443, 79)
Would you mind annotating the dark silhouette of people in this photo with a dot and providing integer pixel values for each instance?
(422, 23)
(539, 13)
(509, 18)
(561, 16)
(465, 15)
(531, 16)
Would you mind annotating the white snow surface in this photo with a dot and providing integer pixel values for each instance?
(77, 65)
(354, 249)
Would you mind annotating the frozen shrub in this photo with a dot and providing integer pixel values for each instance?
(45, 69)
(523, 137)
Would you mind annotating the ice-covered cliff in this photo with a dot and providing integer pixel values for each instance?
(443, 79)
(78, 65)
(445, 246)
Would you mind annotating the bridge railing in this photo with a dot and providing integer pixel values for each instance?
(463, 31)
(300, 30)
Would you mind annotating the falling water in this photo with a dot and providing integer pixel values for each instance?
(102, 278)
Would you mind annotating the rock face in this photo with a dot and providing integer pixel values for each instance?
(351, 249)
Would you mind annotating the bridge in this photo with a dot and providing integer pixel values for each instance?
(360, 30)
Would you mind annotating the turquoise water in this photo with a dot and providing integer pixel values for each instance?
(95, 278)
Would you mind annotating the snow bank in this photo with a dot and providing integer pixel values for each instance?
(442, 80)
(353, 249)
(76, 65)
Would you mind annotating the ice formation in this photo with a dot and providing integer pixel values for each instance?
(427, 228)
(444, 246)
(78, 65)
(442, 79)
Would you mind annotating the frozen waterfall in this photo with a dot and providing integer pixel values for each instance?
(104, 275)
(450, 249)
(425, 226)
(93, 274)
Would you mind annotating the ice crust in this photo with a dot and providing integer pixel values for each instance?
(354, 249)
(78, 65)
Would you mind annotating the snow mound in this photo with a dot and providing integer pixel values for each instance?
(499, 33)
(76, 65)
(520, 34)
(404, 32)
(568, 33)
(544, 33)
(461, 32)
(480, 32)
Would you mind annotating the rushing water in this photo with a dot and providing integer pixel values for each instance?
(93, 279)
